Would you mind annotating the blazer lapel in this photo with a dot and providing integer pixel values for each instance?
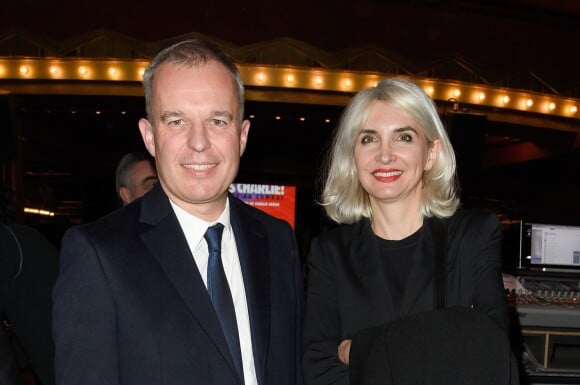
(166, 242)
(255, 262)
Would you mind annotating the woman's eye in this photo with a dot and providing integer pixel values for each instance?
(366, 139)
(406, 138)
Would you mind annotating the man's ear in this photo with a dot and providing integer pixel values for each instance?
(244, 131)
(125, 195)
(146, 130)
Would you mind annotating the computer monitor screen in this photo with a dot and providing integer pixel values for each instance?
(549, 246)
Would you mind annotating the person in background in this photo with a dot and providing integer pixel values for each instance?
(135, 176)
(142, 296)
(28, 269)
(391, 174)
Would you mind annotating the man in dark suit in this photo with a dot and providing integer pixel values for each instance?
(28, 269)
(135, 301)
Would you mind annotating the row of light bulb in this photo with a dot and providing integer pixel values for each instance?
(314, 79)
(85, 71)
(501, 99)
(522, 102)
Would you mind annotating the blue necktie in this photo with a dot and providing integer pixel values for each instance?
(219, 292)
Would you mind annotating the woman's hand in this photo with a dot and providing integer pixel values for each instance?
(344, 351)
(511, 282)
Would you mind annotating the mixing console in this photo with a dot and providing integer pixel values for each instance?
(547, 302)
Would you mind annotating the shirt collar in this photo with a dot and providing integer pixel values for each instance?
(196, 227)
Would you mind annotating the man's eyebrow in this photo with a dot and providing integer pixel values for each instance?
(171, 114)
(180, 114)
(223, 114)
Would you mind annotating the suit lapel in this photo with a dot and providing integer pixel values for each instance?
(255, 262)
(166, 242)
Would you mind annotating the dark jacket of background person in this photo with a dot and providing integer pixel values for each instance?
(10, 372)
(148, 295)
(352, 293)
(25, 298)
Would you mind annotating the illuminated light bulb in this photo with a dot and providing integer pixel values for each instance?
(31, 210)
(83, 70)
(481, 96)
(123, 112)
(141, 72)
(529, 103)
(551, 106)
(260, 77)
(318, 80)
(278, 117)
(53, 70)
(505, 99)
(252, 116)
(290, 78)
(456, 93)
(573, 109)
(112, 71)
(429, 90)
(24, 70)
(327, 120)
(347, 83)
(302, 119)
(98, 112)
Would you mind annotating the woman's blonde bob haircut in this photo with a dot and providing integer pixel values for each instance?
(343, 197)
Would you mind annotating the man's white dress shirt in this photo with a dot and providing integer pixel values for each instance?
(194, 230)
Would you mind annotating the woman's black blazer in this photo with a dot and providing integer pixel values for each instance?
(347, 289)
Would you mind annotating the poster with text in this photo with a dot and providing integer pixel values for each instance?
(276, 200)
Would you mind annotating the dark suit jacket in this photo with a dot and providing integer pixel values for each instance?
(347, 290)
(130, 306)
(26, 282)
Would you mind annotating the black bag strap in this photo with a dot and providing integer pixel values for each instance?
(440, 262)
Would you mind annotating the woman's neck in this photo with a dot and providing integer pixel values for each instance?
(394, 221)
